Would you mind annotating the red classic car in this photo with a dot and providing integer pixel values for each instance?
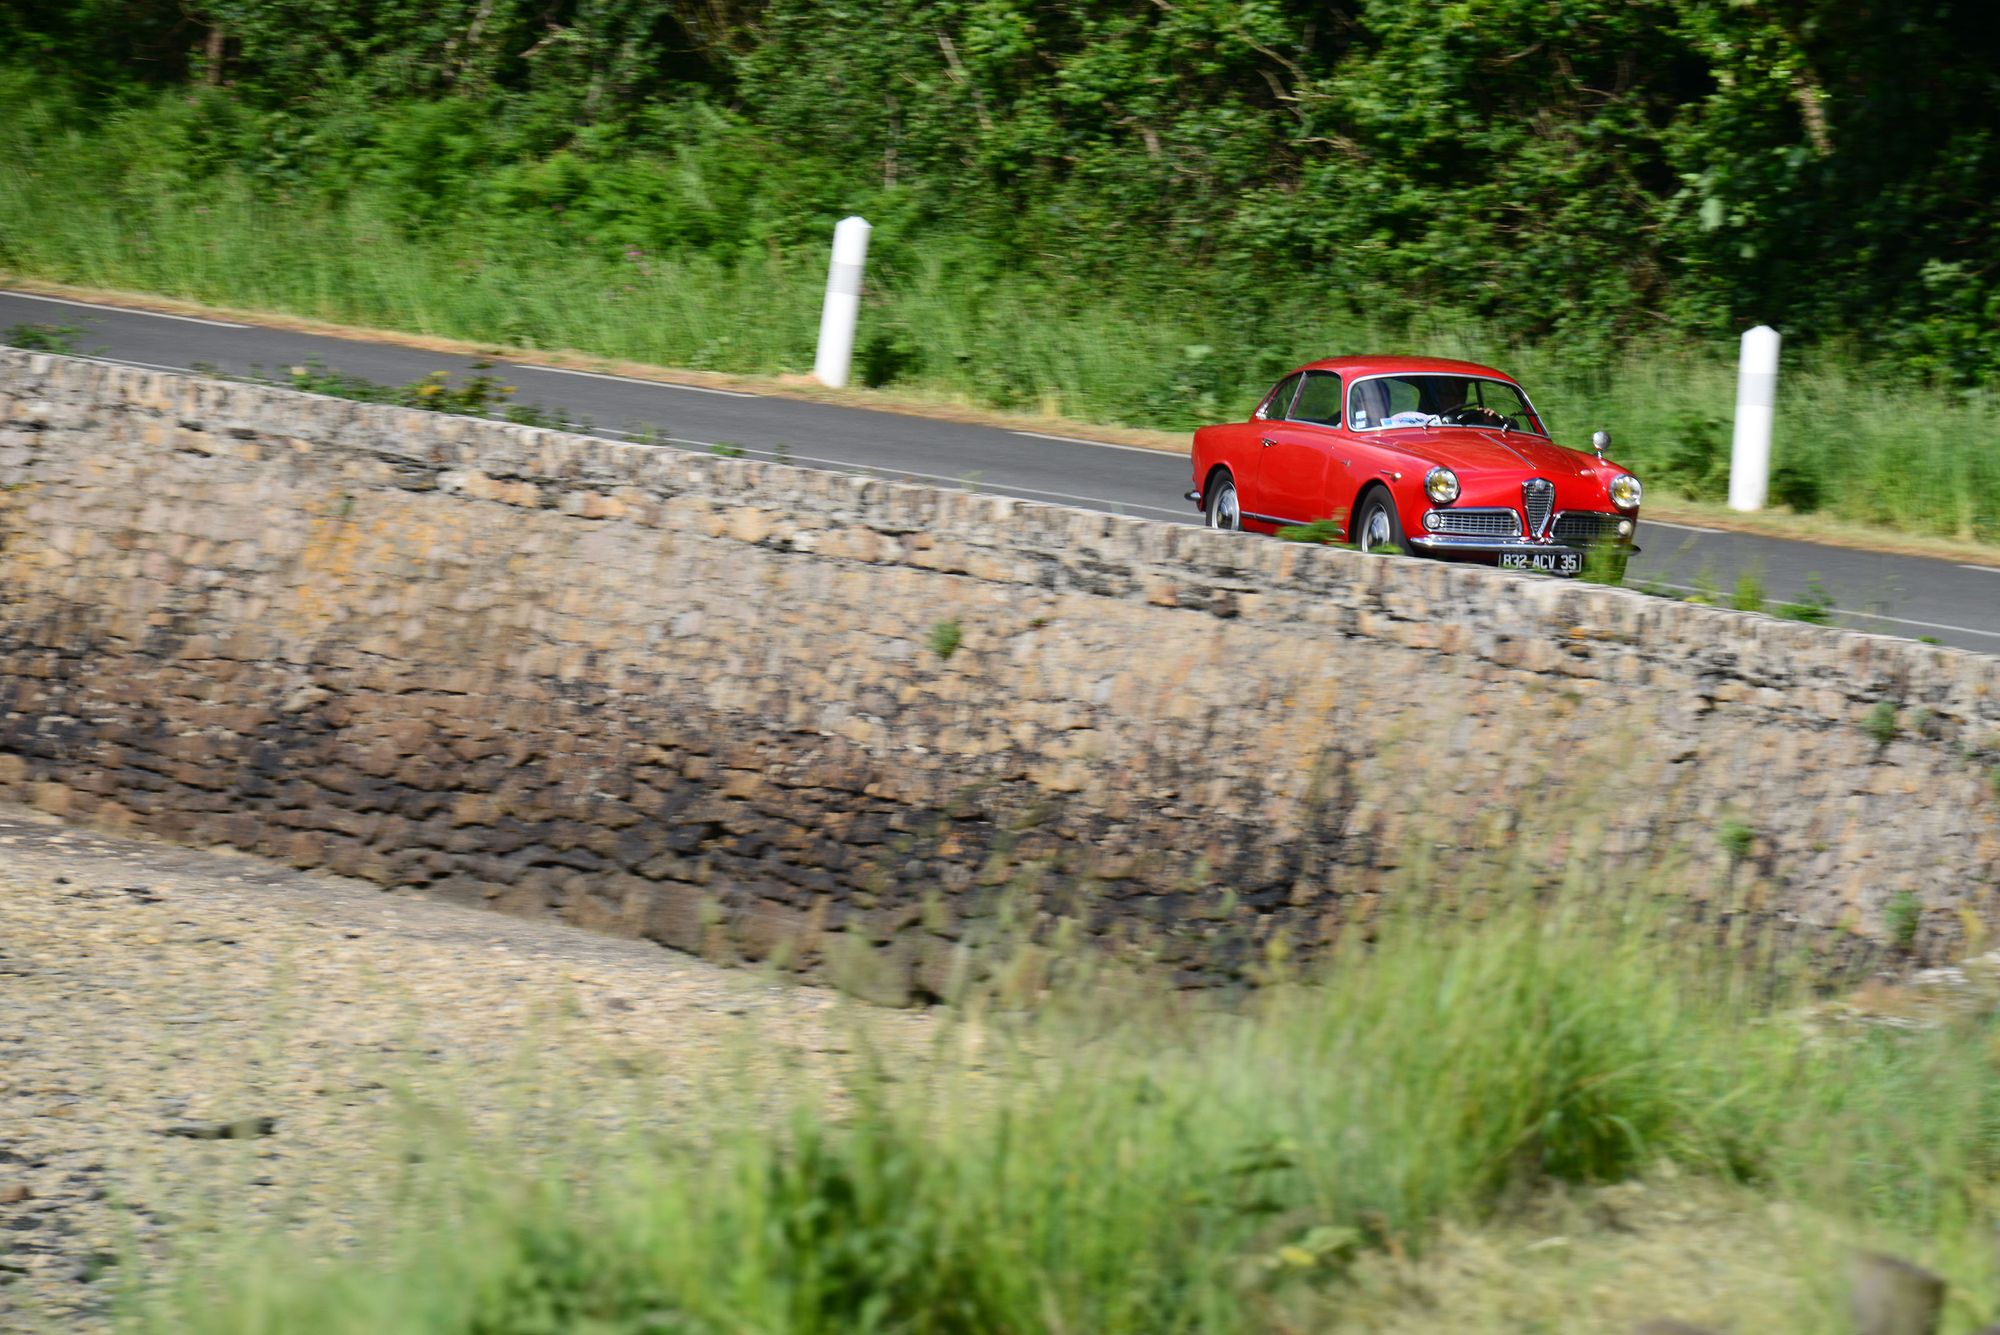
(1417, 455)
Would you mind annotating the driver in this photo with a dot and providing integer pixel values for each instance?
(1447, 393)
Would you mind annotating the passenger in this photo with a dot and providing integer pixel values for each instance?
(1413, 416)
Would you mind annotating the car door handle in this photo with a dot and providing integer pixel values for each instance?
(1266, 442)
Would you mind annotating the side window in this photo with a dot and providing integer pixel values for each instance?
(1319, 399)
(1280, 399)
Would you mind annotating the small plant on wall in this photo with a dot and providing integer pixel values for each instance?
(945, 638)
(1901, 917)
(1881, 722)
(1736, 839)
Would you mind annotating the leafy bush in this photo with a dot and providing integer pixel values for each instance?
(1694, 460)
(865, 1239)
(1797, 486)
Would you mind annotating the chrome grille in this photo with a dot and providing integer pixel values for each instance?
(1582, 527)
(1538, 497)
(1479, 523)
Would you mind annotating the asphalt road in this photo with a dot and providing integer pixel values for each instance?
(1896, 595)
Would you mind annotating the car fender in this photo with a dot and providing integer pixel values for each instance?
(1219, 447)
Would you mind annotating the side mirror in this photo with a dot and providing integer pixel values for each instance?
(1600, 441)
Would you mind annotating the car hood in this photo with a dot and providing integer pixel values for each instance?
(1471, 450)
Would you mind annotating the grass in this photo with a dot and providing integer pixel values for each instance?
(937, 325)
(478, 395)
(1815, 607)
(56, 338)
(1606, 564)
(1321, 532)
(1119, 1160)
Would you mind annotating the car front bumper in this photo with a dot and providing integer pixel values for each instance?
(1447, 544)
(1451, 544)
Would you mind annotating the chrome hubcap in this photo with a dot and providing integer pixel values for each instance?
(1227, 514)
(1375, 533)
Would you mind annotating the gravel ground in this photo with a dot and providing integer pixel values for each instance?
(196, 1044)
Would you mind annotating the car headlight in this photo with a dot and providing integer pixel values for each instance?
(1441, 485)
(1626, 491)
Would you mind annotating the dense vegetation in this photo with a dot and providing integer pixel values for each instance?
(1133, 211)
(1120, 1162)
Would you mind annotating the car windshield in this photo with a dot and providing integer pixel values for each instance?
(1439, 401)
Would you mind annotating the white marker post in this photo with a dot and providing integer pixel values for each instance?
(843, 302)
(1756, 405)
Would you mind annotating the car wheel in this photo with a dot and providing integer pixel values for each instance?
(1223, 510)
(1377, 529)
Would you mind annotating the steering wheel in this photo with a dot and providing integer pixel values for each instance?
(1472, 414)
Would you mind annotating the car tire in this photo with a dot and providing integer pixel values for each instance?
(1377, 527)
(1223, 510)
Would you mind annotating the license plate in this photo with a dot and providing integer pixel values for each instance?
(1552, 563)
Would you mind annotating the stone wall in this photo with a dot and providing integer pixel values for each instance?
(709, 700)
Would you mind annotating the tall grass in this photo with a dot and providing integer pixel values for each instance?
(948, 319)
(1123, 1162)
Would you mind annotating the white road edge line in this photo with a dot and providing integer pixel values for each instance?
(145, 366)
(1686, 528)
(1991, 570)
(634, 380)
(1100, 444)
(1865, 616)
(121, 310)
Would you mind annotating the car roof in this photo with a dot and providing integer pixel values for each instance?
(1384, 365)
